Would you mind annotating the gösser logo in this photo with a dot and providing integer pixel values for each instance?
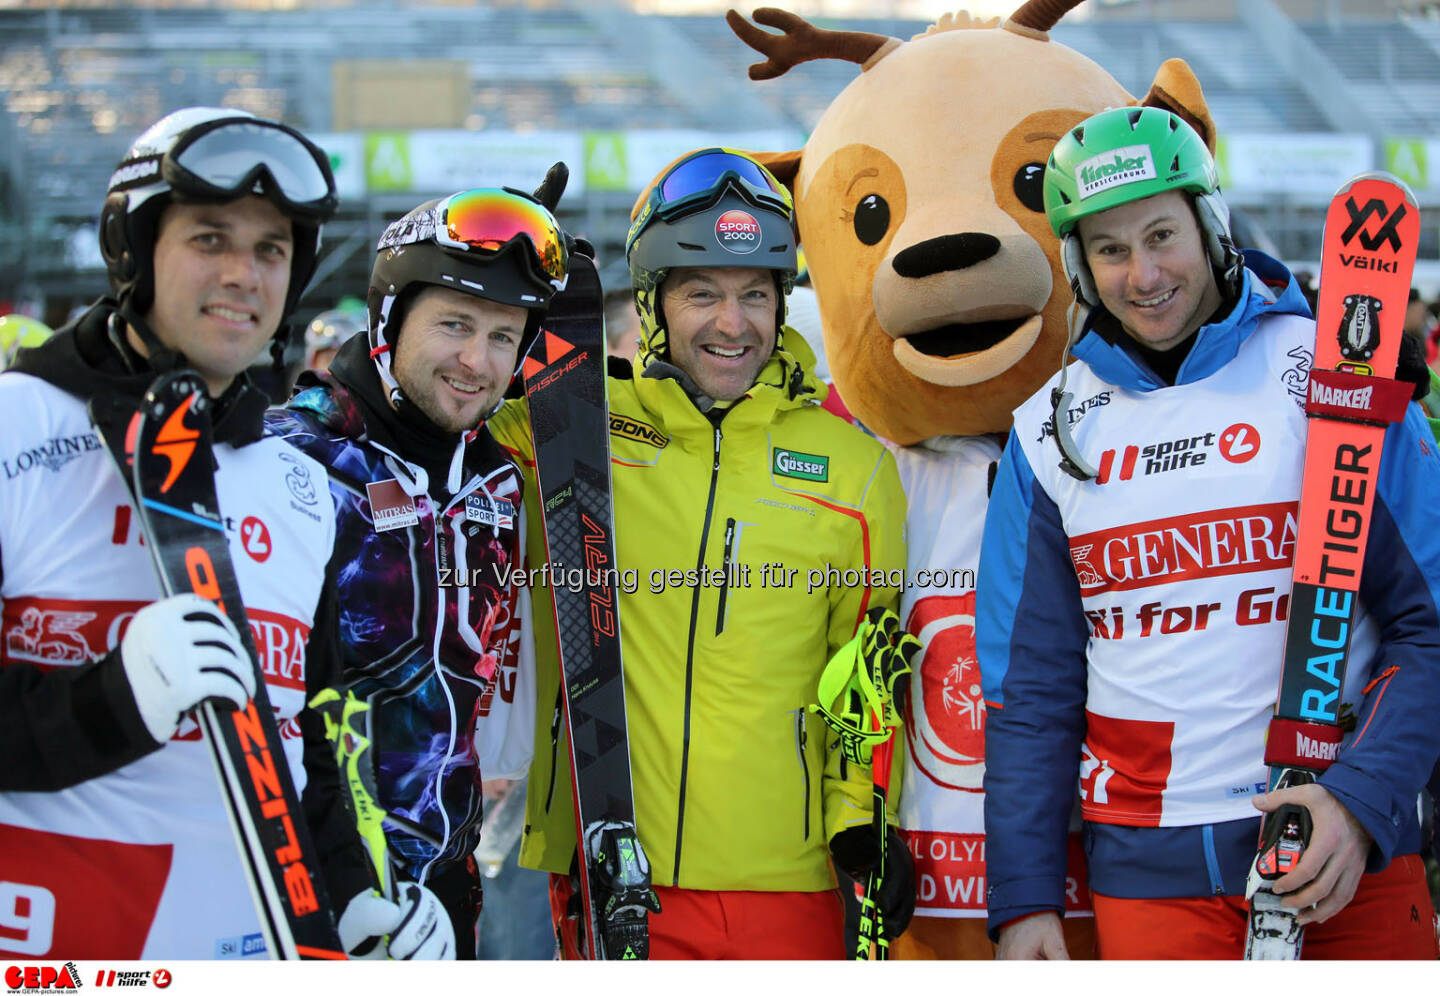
(738, 231)
(1239, 443)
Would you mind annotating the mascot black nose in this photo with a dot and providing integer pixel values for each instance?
(948, 252)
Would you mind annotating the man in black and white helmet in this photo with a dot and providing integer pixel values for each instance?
(114, 842)
(428, 517)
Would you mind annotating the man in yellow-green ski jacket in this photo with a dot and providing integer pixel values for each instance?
(753, 531)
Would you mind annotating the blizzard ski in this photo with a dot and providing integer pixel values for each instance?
(164, 454)
(1372, 230)
(565, 384)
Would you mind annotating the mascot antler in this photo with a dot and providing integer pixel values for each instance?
(800, 42)
(1040, 15)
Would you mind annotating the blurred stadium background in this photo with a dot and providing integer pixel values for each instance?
(416, 100)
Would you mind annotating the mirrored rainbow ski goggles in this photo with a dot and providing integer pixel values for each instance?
(488, 220)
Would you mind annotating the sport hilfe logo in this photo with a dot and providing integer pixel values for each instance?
(737, 231)
(1238, 443)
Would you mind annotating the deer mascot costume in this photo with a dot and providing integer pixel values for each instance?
(944, 306)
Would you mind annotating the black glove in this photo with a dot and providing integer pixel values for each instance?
(1412, 366)
(855, 853)
(889, 653)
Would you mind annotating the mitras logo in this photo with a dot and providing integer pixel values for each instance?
(807, 466)
(1111, 169)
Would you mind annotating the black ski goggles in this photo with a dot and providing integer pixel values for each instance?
(230, 157)
(486, 221)
(698, 180)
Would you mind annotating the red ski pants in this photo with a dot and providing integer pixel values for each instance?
(1391, 917)
(695, 924)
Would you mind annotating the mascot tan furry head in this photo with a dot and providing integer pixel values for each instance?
(919, 206)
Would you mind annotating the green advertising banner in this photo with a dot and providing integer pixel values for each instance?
(1407, 159)
(605, 161)
(387, 160)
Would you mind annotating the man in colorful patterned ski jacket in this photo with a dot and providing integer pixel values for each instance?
(429, 519)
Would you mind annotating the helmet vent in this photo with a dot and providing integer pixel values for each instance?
(691, 246)
(1134, 116)
(781, 248)
(1175, 164)
(1079, 134)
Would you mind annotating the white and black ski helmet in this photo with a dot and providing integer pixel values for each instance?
(499, 244)
(211, 154)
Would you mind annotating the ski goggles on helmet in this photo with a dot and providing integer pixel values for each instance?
(486, 221)
(229, 157)
(698, 180)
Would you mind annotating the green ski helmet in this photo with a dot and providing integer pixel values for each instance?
(1127, 154)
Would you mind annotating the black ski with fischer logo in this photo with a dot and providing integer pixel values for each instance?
(1372, 231)
(163, 452)
(565, 384)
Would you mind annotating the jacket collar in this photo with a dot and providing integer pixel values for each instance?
(351, 400)
(786, 381)
(83, 359)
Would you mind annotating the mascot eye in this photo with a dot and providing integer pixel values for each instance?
(1029, 186)
(872, 219)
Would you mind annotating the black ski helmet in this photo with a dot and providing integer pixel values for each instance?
(210, 154)
(499, 244)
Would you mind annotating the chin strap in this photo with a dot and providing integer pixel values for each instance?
(1070, 459)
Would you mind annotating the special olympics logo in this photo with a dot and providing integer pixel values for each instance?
(947, 708)
(738, 231)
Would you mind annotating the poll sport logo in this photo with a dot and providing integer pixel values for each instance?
(737, 231)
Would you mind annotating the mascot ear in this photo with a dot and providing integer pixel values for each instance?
(1176, 89)
(785, 165)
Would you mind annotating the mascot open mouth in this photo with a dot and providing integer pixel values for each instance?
(962, 353)
(959, 338)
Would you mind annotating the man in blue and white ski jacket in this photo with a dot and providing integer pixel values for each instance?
(1131, 627)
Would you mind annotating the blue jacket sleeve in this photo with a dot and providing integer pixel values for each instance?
(1378, 775)
(1031, 639)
